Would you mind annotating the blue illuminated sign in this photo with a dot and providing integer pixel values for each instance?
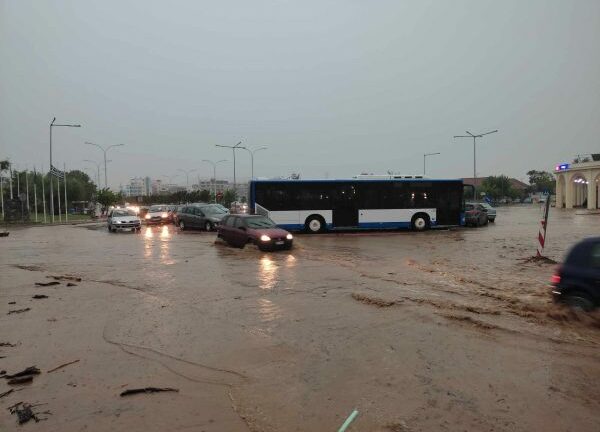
(562, 167)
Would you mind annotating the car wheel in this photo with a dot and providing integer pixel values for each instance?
(208, 226)
(486, 221)
(110, 229)
(579, 300)
(420, 222)
(314, 224)
(181, 225)
(492, 220)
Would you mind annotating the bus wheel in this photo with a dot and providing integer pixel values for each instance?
(420, 222)
(314, 224)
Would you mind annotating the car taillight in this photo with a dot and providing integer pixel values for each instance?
(555, 279)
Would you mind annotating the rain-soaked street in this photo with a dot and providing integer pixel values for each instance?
(447, 330)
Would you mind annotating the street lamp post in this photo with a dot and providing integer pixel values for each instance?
(187, 177)
(52, 124)
(474, 156)
(105, 150)
(252, 151)
(97, 172)
(425, 156)
(233, 148)
(214, 165)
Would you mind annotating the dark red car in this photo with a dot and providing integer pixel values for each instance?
(239, 230)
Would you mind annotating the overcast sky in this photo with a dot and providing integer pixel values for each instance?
(332, 88)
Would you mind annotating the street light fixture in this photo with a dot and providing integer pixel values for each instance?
(474, 156)
(98, 171)
(252, 151)
(105, 150)
(424, 156)
(233, 148)
(214, 165)
(187, 177)
(52, 124)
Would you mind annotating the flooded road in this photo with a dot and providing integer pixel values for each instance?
(437, 331)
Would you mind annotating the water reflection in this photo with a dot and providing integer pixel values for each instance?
(148, 233)
(267, 273)
(268, 310)
(164, 233)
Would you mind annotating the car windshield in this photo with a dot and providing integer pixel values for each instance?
(469, 207)
(486, 205)
(259, 222)
(155, 209)
(117, 213)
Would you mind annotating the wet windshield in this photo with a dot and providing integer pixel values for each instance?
(213, 210)
(155, 209)
(260, 222)
(118, 213)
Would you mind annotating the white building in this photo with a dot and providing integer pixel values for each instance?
(210, 184)
(577, 183)
(137, 186)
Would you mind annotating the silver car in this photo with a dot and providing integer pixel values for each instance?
(491, 211)
(123, 220)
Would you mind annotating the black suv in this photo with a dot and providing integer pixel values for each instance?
(577, 280)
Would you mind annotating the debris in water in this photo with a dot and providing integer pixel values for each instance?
(13, 302)
(39, 296)
(21, 380)
(374, 300)
(70, 284)
(24, 412)
(148, 390)
(538, 260)
(16, 311)
(51, 283)
(66, 277)
(7, 344)
(63, 365)
(6, 393)
(31, 370)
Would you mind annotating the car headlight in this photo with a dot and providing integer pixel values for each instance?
(289, 236)
(118, 222)
(164, 215)
(148, 216)
(265, 238)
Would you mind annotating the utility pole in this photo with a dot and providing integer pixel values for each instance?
(97, 172)
(214, 165)
(105, 150)
(474, 156)
(187, 177)
(233, 148)
(252, 156)
(425, 156)
(52, 124)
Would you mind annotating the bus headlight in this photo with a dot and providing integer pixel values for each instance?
(289, 237)
(265, 238)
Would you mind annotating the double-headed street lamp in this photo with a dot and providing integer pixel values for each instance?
(252, 151)
(425, 156)
(105, 150)
(474, 156)
(187, 177)
(214, 165)
(233, 148)
(98, 171)
(52, 124)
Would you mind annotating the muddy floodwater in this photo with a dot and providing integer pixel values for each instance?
(447, 330)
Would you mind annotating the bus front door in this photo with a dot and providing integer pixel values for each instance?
(345, 210)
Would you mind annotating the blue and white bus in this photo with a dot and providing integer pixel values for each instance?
(370, 202)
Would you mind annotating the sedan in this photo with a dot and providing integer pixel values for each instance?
(239, 230)
(475, 215)
(123, 220)
(157, 214)
(205, 217)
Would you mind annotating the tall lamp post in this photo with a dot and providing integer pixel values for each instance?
(252, 151)
(98, 171)
(52, 125)
(474, 156)
(424, 158)
(104, 150)
(233, 148)
(214, 165)
(187, 177)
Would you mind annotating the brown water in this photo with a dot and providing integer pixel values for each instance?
(443, 330)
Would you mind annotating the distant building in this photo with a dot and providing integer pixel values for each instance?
(210, 185)
(577, 183)
(136, 187)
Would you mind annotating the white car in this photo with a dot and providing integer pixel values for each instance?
(158, 214)
(123, 220)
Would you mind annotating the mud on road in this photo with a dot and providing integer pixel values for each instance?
(437, 331)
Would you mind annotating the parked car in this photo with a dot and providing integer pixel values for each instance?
(157, 214)
(576, 282)
(491, 211)
(239, 230)
(475, 214)
(123, 220)
(205, 216)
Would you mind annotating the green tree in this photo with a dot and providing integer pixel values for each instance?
(228, 197)
(106, 197)
(497, 187)
(541, 181)
(204, 196)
